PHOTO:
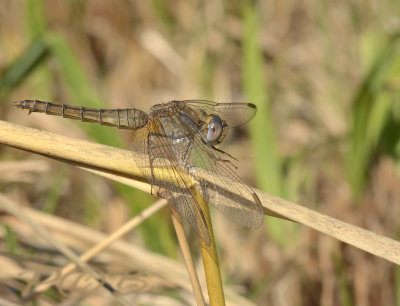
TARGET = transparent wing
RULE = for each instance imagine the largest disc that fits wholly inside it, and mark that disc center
(156, 151)
(234, 114)
(224, 190)
(170, 150)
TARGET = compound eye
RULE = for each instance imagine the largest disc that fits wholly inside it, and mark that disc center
(214, 129)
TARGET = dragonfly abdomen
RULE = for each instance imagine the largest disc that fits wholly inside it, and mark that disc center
(129, 118)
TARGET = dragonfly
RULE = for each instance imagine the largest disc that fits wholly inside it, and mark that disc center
(173, 145)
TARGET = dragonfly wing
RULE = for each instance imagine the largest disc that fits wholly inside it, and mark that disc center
(161, 166)
(231, 197)
(224, 189)
(234, 114)
(183, 204)
(140, 152)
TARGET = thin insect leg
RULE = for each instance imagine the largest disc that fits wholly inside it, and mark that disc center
(226, 160)
(226, 153)
(216, 157)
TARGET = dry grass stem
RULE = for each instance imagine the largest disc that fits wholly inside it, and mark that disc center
(13, 209)
(118, 161)
(79, 237)
(210, 259)
(127, 227)
(183, 243)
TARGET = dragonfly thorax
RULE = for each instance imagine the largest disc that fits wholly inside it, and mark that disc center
(166, 109)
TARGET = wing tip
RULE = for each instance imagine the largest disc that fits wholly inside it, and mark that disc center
(251, 105)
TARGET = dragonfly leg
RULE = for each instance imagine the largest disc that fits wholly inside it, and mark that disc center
(225, 153)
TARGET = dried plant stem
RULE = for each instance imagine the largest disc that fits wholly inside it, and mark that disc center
(210, 262)
(13, 209)
(89, 254)
(78, 237)
(183, 243)
(119, 162)
(210, 259)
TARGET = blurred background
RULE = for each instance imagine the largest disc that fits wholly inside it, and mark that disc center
(325, 76)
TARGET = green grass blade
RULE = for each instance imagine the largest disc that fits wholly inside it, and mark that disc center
(268, 170)
(42, 81)
(36, 20)
(79, 87)
(265, 147)
(371, 110)
(18, 71)
(34, 54)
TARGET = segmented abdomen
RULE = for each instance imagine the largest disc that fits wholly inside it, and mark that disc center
(129, 118)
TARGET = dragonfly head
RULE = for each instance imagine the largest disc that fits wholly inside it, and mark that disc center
(215, 130)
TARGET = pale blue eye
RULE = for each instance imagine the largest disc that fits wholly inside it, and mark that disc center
(214, 129)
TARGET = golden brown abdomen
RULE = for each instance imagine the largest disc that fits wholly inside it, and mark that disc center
(129, 118)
